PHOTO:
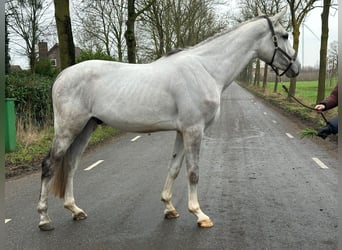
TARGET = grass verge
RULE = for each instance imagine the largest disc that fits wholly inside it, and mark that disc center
(306, 92)
(32, 147)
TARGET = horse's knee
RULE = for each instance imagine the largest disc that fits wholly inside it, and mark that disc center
(193, 175)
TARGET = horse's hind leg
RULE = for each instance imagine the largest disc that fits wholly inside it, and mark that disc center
(45, 222)
(192, 143)
(74, 155)
(50, 163)
(58, 167)
(174, 166)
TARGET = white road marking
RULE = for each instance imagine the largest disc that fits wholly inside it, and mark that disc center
(93, 165)
(289, 135)
(265, 113)
(275, 122)
(7, 220)
(320, 163)
(135, 138)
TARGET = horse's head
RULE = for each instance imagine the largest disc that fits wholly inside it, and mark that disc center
(276, 49)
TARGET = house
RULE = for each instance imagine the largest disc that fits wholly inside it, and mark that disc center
(53, 53)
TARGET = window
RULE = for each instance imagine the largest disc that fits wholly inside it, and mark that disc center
(53, 62)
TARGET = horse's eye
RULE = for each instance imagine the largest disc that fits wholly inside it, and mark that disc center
(285, 36)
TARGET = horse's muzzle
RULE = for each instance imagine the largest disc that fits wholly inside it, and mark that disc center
(294, 70)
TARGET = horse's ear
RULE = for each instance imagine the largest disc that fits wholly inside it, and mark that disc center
(278, 16)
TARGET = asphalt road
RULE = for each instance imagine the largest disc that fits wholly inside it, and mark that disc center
(259, 182)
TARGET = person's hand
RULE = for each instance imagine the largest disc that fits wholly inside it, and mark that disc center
(320, 107)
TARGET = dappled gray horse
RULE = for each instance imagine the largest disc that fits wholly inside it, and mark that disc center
(179, 92)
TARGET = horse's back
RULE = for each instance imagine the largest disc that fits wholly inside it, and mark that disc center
(126, 96)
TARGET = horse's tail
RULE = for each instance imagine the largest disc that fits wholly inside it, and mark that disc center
(69, 161)
(60, 177)
(57, 177)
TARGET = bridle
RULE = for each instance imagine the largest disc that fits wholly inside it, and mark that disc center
(291, 59)
(276, 70)
(276, 49)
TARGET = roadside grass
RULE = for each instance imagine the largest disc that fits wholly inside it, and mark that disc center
(306, 92)
(34, 144)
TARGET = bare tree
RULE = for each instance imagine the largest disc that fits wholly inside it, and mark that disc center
(133, 12)
(298, 11)
(27, 20)
(101, 24)
(177, 24)
(323, 51)
(64, 31)
(155, 26)
(250, 9)
(7, 56)
(333, 61)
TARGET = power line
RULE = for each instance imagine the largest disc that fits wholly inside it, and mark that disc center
(313, 33)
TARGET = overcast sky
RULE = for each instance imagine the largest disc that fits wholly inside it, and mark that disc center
(310, 41)
(312, 36)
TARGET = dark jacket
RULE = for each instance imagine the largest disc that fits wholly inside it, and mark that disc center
(332, 100)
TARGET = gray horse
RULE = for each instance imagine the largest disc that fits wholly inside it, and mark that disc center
(179, 92)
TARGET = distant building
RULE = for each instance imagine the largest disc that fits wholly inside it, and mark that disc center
(15, 68)
(53, 53)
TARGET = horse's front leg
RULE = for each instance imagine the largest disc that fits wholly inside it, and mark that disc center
(174, 166)
(192, 143)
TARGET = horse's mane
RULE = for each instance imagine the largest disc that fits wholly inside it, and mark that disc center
(224, 32)
(174, 51)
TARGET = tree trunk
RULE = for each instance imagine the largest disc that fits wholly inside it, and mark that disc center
(130, 32)
(7, 56)
(65, 38)
(250, 73)
(275, 89)
(257, 73)
(264, 82)
(323, 51)
(293, 81)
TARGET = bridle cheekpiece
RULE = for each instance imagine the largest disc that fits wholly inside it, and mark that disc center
(276, 49)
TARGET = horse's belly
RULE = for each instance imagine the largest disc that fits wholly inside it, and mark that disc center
(139, 117)
(141, 125)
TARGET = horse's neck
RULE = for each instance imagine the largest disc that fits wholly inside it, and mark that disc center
(226, 56)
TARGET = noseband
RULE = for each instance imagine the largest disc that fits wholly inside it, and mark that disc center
(276, 49)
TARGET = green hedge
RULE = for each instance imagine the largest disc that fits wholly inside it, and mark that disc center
(33, 97)
(33, 92)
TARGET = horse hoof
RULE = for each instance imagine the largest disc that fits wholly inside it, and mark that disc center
(80, 216)
(171, 214)
(205, 223)
(46, 227)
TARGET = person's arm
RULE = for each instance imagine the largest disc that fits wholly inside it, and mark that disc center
(330, 102)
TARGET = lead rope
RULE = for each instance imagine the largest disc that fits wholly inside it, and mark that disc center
(304, 105)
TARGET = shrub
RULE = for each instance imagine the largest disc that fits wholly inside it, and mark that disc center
(44, 68)
(33, 97)
(90, 55)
